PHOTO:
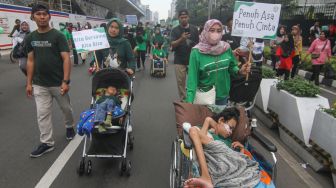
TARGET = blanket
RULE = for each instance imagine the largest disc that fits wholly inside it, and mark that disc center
(229, 168)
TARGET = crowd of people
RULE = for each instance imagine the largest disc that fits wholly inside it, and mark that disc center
(205, 61)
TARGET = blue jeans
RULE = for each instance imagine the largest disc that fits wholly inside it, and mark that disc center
(222, 102)
(103, 108)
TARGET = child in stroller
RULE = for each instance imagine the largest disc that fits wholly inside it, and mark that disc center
(108, 106)
(159, 60)
(222, 162)
(107, 84)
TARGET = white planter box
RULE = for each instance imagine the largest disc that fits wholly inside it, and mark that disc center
(264, 93)
(296, 113)
(273, 101)
(324, 133)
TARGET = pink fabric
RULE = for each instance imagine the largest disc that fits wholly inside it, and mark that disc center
(205, 47)
(316, 47)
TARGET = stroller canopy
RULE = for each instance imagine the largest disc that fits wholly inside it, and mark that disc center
(110, 77)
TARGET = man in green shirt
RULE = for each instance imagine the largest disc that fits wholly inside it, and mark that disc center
(48, 73)
(65, 33)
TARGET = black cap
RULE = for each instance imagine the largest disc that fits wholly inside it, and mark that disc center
(183, 12)
(39, 7)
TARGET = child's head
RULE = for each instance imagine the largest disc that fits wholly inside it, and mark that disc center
(111, 91)
(158, 45)
(227, 121)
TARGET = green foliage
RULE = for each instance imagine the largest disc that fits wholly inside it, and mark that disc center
(268, 73)
(299, 87)
(267, 52)
(331, 111)
(306, 63)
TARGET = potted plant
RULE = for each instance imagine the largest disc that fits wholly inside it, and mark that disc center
(324, 129)
(268, 79)
(295, 102)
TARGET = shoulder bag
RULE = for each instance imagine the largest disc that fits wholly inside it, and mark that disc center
(315, 56)
(207, 97)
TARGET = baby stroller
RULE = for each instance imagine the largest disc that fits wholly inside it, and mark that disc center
(114, 142)
(182, 165)
(158, 68)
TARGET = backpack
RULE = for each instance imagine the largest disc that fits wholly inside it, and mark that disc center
(19, 50)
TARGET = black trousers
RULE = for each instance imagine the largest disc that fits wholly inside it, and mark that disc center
(316, 73)
(141, 58)
(296, 62)
(281, 72)
(273, 59)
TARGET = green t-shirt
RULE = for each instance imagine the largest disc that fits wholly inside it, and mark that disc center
(142, 46)
(206, 71)
(48, 62)
(159, 53)
(66, 34)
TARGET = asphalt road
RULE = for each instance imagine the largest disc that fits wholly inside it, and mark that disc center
(153, 125)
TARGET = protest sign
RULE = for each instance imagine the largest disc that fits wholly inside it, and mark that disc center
(90, 40)
(257, 20)
(132, 19)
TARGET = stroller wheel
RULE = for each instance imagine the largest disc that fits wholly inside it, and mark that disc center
(125, 167)
(81, 168)
(89, 168)
(122, 167)
(128, 168)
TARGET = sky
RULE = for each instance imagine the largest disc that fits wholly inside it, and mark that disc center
(162, 6)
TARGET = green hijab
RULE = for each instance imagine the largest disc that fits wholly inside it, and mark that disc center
(118, 39)
(158, 37)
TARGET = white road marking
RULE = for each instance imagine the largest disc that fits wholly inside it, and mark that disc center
(328, 91)
(60, 162)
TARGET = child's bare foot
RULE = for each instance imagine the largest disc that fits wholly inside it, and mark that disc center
(198, 182)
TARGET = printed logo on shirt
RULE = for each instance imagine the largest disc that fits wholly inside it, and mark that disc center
(41, 44)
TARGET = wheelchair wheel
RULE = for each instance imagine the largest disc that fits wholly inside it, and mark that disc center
(175, 176)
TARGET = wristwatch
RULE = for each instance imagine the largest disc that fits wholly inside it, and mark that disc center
(66, 81)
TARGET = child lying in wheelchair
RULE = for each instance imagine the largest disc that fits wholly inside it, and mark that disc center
(220, 165)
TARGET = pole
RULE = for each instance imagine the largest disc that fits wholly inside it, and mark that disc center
(334, 15)
(304, 10)
(186, 4)
(96, 61)
(209, 9)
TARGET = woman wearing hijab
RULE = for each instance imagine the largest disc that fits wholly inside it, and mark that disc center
(275, 43)
(285, 54)
(18, 39)
(211, 64)
(296, 32)
(120, 48)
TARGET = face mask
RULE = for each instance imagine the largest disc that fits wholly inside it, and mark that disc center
(214, 38)
(86, 27)
(227, 128)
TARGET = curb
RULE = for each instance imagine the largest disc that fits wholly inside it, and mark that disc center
(307, 75)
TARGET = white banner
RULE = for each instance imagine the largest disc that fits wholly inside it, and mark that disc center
(90, 40)
(257, 20)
